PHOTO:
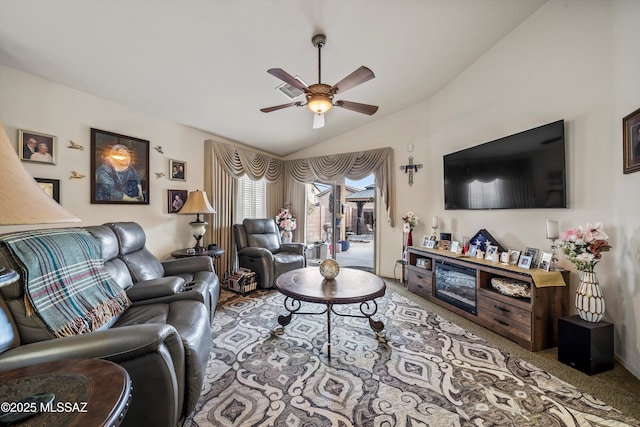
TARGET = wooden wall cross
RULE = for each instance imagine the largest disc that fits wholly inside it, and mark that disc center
(410, 169)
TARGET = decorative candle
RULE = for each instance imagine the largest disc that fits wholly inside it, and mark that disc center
(553, 230)
(434, 222)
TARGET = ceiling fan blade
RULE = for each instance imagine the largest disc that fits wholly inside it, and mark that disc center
(286, 77)
(318, 120)
(280, 107)
(354, 79)
(357, 107)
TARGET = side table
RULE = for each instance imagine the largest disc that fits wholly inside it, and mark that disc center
(586, 346)
(88, 392)
(213, 253)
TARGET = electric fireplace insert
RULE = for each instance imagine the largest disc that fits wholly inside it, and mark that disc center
(456, 285)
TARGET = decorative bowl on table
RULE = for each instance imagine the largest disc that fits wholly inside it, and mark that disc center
(329, 269)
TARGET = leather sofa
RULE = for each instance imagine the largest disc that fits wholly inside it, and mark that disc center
(261, 250)
(163, 339)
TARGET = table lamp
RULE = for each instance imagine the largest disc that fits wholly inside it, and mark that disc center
(197, 203)
(23, 201)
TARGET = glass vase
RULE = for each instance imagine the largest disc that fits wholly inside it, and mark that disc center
(286, 236)
(410, 238)
(589, 299)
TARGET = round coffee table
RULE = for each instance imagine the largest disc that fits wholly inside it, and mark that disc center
(350, 287)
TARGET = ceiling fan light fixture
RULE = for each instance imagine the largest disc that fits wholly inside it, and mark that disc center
(319, 104)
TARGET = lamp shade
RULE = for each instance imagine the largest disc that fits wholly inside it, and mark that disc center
(23, 201)
(197, 203)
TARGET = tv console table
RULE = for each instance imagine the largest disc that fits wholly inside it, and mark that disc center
(530, 322)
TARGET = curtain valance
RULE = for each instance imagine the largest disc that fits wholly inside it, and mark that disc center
(239, 161)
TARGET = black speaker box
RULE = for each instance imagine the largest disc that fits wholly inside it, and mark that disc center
(586, 346)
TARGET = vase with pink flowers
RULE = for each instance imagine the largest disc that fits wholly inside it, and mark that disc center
(584, 246)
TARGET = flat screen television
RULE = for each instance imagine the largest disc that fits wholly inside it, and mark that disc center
(521, 171)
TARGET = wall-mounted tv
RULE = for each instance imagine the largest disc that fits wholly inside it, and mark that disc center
(521, 171)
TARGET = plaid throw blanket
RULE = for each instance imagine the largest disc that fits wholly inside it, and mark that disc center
(65, 281)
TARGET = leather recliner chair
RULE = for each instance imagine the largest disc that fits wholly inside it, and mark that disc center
(261, 250)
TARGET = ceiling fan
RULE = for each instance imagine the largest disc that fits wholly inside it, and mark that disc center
(319, 96)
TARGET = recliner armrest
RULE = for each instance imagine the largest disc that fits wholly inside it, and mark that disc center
(296, 248)
(154, 288)
(255, 252)
(116, 345)
(174, 267)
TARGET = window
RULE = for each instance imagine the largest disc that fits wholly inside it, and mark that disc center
(250, 199)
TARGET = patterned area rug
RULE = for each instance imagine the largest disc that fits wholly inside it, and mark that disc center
(422, 371)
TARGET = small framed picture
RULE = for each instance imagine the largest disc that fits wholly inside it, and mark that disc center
(504, 258)
(444, 245)
(631, 142)
(514, 256)
(51, 187)
(454, 246)
(175, 200)
(533, 253)
(525, 262)
(545, 261)
(430, 244)
(425, 241)
(473, 249)
(491, 251)
(36, 147)
(177, 170)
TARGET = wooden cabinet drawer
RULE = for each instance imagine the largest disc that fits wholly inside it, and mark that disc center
(505, 318)
(419, 281)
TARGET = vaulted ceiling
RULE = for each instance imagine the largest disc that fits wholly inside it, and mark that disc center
(203, 63)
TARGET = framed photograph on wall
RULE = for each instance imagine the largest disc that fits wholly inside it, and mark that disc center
(36, 147)
(631, 142)
(51, 187)
(177, 170)
(119, 169)
(175, 200)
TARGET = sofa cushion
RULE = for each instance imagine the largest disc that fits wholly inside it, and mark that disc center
(116, 268)
(142, 264)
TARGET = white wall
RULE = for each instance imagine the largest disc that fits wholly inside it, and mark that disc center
(574, 60)
(31, 103)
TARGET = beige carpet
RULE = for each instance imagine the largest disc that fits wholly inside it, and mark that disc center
(424, 371)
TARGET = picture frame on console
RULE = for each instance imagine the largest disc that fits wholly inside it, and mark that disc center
(525, 262)
(533, 253)
(36, 147)
(631, 142)
(119, 169)
(429, 244)
(545, 261)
